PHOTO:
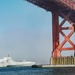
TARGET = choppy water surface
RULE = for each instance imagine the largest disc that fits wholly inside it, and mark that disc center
(36, 71)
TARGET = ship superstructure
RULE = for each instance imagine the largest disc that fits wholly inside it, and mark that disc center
(8, 61)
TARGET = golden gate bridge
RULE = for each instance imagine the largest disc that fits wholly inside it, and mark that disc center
(66, 10)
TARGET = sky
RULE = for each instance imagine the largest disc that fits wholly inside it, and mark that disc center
(25, 31)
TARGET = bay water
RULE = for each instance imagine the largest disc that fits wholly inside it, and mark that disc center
(36, 71)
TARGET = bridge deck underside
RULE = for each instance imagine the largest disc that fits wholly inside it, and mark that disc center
(57, 5)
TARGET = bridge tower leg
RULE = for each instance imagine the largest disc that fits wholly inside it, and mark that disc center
(57, 29)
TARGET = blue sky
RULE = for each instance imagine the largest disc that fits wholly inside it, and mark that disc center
(25, 31)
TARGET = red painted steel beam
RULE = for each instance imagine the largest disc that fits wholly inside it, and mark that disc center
(55, 28)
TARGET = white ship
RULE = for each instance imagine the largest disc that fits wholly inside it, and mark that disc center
(8, 62)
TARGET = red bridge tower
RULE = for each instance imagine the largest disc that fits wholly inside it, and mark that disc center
(66, 10)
